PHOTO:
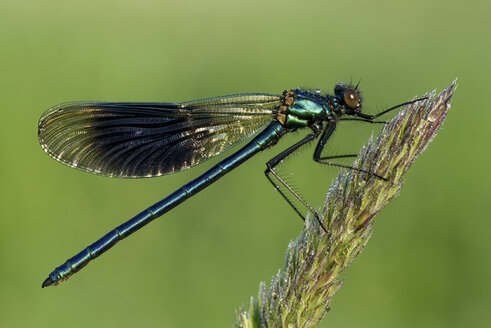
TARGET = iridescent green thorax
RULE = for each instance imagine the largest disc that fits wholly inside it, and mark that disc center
(302, 108)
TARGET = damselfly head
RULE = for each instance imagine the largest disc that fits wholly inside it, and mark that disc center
(348, 96)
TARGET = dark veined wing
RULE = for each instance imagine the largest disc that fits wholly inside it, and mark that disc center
(133, 140)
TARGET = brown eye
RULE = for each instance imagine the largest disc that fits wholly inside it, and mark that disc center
(351, 98)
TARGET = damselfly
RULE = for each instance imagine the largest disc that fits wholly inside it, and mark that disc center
(136, 140)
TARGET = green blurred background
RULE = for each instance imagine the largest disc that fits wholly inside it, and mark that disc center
(428, 263)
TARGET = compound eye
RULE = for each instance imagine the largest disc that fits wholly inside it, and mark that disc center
(351, 98)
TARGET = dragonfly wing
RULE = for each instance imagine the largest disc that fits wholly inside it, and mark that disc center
(133, 140)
